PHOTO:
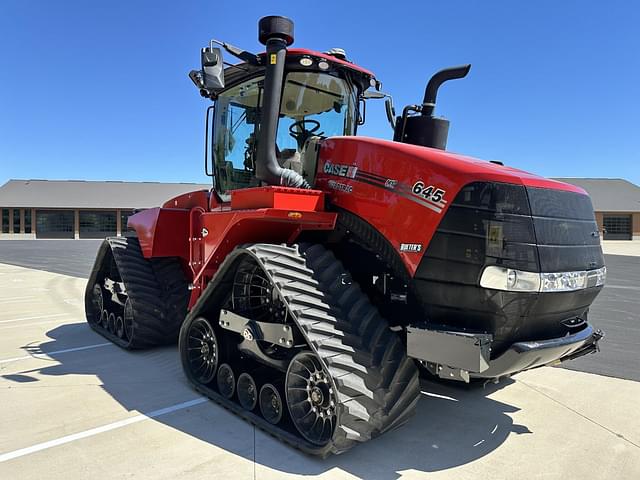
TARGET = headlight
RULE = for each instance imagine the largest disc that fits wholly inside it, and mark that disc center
(501, 278)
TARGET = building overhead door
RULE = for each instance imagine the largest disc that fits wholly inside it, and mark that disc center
(97, 224)
(617, 227)
(54, 223)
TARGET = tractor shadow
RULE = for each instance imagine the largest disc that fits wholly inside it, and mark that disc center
(455, 424)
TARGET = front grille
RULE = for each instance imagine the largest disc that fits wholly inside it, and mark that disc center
(529, 229)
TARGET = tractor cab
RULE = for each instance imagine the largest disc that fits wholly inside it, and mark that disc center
(319, 98)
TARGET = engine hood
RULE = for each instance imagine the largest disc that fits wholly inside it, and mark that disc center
(404, 191)
(385, 155)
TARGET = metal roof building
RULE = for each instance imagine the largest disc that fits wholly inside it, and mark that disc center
(617, 205)
(88, 209)
(77, 208)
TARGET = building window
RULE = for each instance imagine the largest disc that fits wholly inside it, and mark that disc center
(124, 217)
(27, 220)
(5, 220)
(54, 223)
(97, 224)
(616, 227)
(16, 220)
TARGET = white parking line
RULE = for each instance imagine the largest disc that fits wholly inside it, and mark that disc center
(95, 431)
(35, 324)
(33, 318)
(436, 395)
(16, 299)
(55, 352)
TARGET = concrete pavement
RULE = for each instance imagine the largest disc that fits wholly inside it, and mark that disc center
(616, 311)
(621, 247)
(69, 257)
(73, 407)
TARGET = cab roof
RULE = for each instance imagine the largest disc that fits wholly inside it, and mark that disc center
(329, 58)
(237, 73)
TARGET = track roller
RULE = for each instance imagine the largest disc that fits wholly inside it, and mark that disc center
(247, 391)
(119, 327)
(111, 323)
(271, 405)
(226, 380)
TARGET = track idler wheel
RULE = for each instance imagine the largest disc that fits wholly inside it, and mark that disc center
(271, 405)
(202, 350)
(98, 303)
(247, 391)
(226, 381)
(310, 398)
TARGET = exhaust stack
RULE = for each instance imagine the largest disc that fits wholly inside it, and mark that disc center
(426, 129)
(276, 33)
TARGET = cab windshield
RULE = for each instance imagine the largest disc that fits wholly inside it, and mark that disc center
(313, 104)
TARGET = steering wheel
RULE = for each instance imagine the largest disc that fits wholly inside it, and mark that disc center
(301, 134)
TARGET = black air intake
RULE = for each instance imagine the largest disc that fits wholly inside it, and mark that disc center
(277, 34)
(425, 129)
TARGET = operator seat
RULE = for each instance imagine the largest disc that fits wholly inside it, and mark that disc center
(289, 158)
(309, 158)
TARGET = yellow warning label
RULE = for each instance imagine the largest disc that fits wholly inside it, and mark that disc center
(495, 239)
(272, 60)
(495, 233)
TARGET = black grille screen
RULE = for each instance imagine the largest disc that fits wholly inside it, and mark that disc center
(560, 204)
(494, 197)
(566, 230)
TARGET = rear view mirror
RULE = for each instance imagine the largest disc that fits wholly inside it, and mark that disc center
(388, 104)
(212, 68)
(362, 111)
(391, 112)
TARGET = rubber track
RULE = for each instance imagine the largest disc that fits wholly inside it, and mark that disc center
(154, 298)
(377, 385)
(175, 292)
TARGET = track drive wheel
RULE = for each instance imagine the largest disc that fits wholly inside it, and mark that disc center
(202, 350)
(310, 398)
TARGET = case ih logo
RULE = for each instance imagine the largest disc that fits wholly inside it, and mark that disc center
(348, 171)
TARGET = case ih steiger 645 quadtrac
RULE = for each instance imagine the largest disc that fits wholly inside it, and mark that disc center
(325, 270)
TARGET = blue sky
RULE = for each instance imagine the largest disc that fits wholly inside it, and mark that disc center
(99, 90)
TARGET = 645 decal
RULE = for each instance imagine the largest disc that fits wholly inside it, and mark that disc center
(428, 192)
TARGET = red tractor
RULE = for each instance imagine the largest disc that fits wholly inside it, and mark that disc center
(325, 271)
